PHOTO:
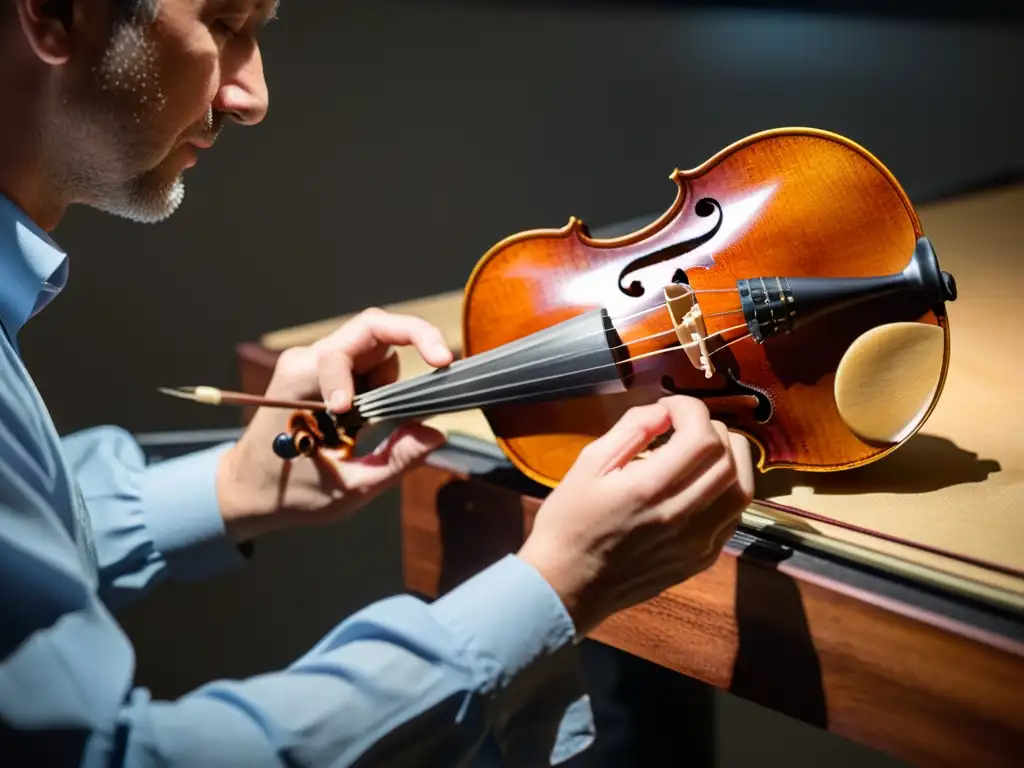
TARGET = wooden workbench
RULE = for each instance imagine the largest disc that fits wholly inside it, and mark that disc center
(886, 642)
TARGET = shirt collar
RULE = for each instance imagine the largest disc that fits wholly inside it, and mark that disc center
(33, 268)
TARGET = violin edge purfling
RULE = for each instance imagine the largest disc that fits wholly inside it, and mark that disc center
(796, 231)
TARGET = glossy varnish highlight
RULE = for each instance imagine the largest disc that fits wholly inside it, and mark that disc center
(788, 202)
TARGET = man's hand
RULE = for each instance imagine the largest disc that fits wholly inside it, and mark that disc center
(259, 492)
(617, 532)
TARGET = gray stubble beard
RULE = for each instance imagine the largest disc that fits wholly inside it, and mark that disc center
(101, 175)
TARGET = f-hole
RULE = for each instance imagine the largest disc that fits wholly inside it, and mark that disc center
(705, 208)
(762, 412)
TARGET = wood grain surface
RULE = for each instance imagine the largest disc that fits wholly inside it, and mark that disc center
(912, 682)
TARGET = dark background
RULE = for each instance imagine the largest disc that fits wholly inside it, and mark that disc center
(403, 140)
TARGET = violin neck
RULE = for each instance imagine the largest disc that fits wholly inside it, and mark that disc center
(574, 358)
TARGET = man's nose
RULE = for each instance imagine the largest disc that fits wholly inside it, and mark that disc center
(244, 95)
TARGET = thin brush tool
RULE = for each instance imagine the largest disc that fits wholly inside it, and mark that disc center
(215, 396)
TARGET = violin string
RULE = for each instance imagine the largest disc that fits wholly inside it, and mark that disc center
(397, 387)
(392, 392)
(391, 397)
(378, 395)
(661, 304)
(729, 344)
(441, 385)
(724, 314)
(386, 410)
(621, 318)
(418, 408)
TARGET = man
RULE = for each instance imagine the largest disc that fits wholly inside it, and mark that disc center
(105, 103)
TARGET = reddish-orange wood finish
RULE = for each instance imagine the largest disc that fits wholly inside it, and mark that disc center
(782, 204)
(790, 202)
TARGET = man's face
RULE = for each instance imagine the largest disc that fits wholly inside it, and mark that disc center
(137, 102)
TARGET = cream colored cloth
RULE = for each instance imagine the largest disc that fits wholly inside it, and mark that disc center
(959, 483)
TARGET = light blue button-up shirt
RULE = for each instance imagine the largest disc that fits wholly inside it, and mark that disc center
(86, 527)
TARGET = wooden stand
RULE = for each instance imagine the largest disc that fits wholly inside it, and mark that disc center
(897, 666)
(887, 645)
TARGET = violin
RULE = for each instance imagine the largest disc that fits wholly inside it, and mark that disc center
(775, 273)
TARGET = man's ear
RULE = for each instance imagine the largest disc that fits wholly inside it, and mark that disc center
(47, 25)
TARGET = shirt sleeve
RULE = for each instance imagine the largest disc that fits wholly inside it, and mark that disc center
(148, 523)
(403, 682)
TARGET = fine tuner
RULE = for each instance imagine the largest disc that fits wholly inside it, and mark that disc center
(770, 289)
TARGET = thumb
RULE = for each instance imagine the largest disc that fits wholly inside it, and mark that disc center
(406, 448)
(410, 444)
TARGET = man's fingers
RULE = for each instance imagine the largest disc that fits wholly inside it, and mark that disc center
(628, 436)
(405, 448)
(375, 327)
(363, 343)
(296, 367)
(334, 372)
(691, 502)
(384, 372)
(724, 513)
(741, 451)
(693, 445)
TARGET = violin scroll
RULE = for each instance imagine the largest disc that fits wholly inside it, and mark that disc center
(311, 431)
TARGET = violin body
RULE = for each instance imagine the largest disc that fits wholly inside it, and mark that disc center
(788, 202)
(761, 251)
